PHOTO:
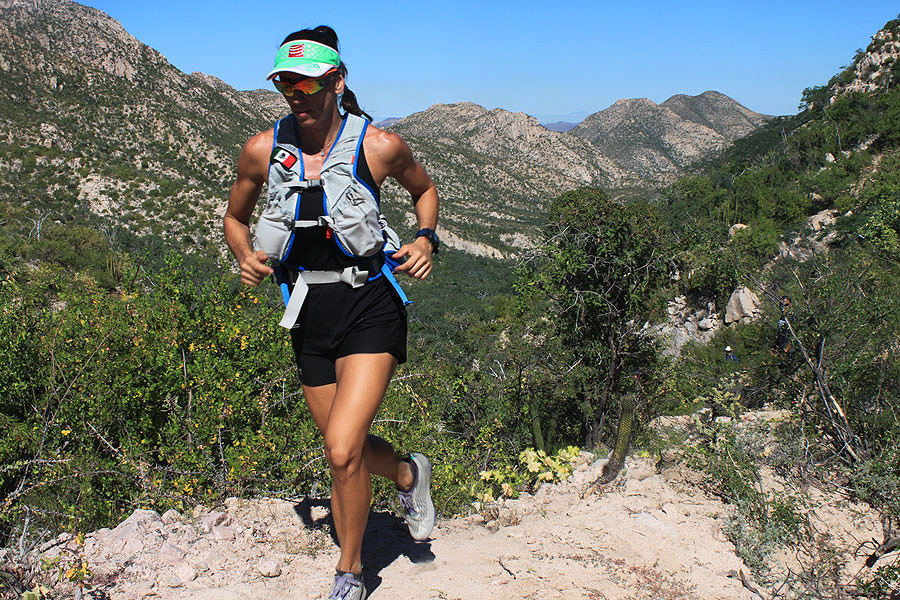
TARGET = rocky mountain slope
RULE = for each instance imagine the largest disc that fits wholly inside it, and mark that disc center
(93, 122)
(876, 68)
(100, 129)
(658, 142)
(497, 171)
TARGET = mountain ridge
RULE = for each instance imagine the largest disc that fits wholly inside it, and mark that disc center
(658, 142)
(133, 138)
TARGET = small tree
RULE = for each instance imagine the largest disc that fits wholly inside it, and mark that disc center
(602, 265)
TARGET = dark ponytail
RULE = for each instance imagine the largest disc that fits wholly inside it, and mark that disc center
(350, 105)
(326, 35)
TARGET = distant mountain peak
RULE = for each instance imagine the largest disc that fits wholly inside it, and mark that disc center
(660, 141)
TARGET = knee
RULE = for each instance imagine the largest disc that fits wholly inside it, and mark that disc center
(344, 458)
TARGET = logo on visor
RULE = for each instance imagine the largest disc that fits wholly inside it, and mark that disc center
(296, 51)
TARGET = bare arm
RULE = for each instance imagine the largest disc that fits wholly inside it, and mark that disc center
(393, 155)
(251, 173)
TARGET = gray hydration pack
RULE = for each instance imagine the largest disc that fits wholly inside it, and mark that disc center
(351, 212)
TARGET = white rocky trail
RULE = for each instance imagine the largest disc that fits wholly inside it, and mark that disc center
(647, 535)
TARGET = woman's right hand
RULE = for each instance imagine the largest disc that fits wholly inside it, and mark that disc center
(254, 268)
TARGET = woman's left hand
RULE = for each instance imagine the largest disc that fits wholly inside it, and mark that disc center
(418, 258)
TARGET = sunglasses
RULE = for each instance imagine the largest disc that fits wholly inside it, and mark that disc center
(308, 86)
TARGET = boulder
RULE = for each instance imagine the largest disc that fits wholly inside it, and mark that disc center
(735, 228)
(170, 553)
(743, 304)
(130, 536)
(707, 324)
(180, 575)
(210, 520)
(171, 516)
(269, 568)
(821, 220)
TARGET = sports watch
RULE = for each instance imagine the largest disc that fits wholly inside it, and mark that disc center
(431, 236)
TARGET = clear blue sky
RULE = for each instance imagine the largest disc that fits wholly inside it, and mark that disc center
(542, 58)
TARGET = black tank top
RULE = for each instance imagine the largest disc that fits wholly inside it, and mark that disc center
(314, 248)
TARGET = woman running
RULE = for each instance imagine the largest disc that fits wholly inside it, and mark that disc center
(345, 311)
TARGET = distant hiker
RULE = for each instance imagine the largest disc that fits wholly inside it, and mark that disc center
(786, 304)
(323, 237)
(782, 329)
(729, 354)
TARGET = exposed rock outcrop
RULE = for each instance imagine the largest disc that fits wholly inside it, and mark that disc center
(743, 305)
(685, 323)
(876, 68)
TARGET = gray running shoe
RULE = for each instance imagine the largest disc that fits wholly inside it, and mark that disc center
(417, 501)
(347, 587)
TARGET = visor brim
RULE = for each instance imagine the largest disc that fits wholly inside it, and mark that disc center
(307, 70)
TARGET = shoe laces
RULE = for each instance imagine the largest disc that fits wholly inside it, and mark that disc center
(406, 499)
(344, 584)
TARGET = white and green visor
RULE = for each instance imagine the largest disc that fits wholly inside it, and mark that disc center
(305, 57)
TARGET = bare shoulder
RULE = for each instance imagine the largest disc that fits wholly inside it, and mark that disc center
(385, 144)
(254, 159)
(261, 143)
(387, 153)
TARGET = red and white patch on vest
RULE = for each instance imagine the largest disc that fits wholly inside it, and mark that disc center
(285, 158)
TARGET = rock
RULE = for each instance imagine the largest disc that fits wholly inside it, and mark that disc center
(223, 533)
(171, 516)
(129, 537)
(170, 553)
(584, 458)
(475, 519)
(318, 512)
(182, 574)
(141, 589)
(706, 324)
(679, 424)
(735, 228)
(821, 220)
(654, 525)
(829, 157)
(269, 568)
(186, 534)
(743, 304)
(508, 516)
(212, 519)
(231, 503)
(493, 526)
(198, 511)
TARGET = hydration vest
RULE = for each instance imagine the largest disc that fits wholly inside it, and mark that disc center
(351, 213)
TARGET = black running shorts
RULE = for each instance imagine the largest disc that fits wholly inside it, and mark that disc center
(338, 320)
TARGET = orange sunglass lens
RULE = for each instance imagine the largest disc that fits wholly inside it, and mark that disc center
(307, 86)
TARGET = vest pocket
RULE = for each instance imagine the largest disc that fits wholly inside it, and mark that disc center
(355, 224)
(273, 232)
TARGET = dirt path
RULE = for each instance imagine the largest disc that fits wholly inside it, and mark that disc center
(648, 535)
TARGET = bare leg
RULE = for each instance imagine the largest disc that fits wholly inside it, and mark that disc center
(344, 412)
(379, 454)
